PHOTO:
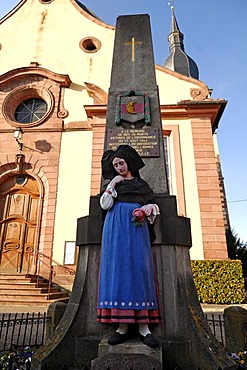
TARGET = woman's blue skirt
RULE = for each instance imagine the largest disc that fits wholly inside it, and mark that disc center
(127, 279)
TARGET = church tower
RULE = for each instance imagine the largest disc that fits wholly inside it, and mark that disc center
(178, 60)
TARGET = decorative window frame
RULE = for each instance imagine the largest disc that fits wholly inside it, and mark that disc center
(19, 95)
(90, 40)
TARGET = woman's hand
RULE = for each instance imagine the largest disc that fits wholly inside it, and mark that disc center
(151, 211)
(147, 209)
(117, 179)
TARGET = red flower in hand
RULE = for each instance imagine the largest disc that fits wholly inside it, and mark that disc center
(138, 217)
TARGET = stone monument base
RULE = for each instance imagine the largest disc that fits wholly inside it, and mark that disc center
(132, 354)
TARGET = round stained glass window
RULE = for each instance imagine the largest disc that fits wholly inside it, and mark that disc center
(31, 110)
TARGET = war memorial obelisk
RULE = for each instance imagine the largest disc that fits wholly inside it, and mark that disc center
(133, 117)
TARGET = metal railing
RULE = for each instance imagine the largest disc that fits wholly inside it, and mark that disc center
(44, 268)
(29, 329)
(216, 324)
(22, 329)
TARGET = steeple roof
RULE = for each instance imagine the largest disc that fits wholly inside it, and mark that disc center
(178, 60)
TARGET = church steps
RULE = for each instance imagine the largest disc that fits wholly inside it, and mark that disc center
(19, 289)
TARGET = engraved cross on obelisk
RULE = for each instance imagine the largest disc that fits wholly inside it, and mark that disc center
(133, 112)
(133, 43)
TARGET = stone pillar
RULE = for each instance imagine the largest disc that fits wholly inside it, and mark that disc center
(235, 320)
(55, 312)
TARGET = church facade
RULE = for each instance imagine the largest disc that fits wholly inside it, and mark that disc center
(54, 81)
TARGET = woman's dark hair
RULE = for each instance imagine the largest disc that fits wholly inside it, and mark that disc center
(126, 152)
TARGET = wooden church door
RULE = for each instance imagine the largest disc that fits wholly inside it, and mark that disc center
(19, 202)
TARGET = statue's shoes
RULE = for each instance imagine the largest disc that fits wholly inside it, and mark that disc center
(117, 338)
(150, 340)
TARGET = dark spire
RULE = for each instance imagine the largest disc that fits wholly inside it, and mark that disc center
(178, 60)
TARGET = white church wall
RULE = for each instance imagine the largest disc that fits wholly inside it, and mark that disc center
(171, 89)
(73, 187)
(190, 188)
(40, 35)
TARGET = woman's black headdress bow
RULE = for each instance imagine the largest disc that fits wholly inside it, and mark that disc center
(129, 154)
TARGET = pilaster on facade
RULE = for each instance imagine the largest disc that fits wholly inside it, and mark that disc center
(212, 220)
(97, 118)
(204, 116)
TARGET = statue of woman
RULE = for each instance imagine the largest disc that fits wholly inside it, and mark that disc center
(127, 284)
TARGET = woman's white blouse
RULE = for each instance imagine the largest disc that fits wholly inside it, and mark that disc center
(107, 198)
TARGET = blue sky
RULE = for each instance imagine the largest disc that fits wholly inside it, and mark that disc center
(215, 35)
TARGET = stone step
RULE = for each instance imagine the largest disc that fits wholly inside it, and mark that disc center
(27, 289)
(22, 285)
(15, 275)
(29, 297)
(34, 303)
(6, 274)
(11, 280)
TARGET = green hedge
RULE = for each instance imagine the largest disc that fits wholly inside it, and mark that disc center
(219, 282)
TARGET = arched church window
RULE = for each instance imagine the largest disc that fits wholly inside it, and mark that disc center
(31, 110)
(29, 106)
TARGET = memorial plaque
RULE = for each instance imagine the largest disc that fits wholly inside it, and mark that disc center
(145, 140)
